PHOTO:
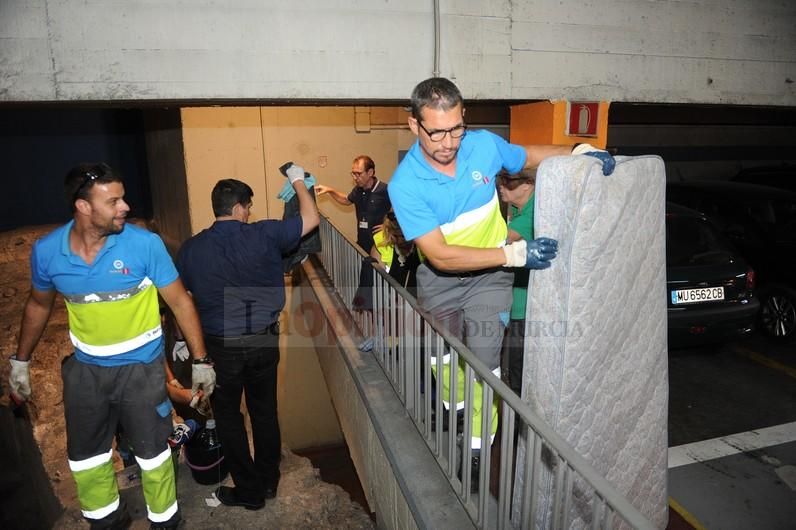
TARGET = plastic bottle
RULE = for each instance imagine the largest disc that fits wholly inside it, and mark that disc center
(210, 435)
(205, 456)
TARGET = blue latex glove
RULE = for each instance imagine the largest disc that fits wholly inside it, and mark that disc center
(603, 156)
(609, 163)
(534, 254)
(540, 252)
(288, 192)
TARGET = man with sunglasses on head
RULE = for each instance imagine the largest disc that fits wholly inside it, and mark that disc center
(443, 193)
(110, 275)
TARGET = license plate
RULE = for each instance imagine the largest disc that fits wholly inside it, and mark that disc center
(693, 296)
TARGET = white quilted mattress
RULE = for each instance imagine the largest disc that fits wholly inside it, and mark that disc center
(596, 359)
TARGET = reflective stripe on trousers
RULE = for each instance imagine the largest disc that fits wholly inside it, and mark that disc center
(478, 391)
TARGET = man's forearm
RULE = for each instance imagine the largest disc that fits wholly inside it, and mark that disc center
(34, 320)
(338, 196)
(307, 209)
(184, 310)
(457, 258)
(188, 320)
(536, 153)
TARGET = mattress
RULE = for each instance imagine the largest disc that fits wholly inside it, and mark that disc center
(595, 363)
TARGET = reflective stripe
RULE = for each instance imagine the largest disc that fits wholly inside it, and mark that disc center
(459, 405)
(159, 485)
(148, 464)
(109, 296)
(99, 513)
(96, 485)
(162, 516)
(446, 359)
(119, 347)
(483, 227)
(118, 326)
(475, 443)
(88, 463)
(384, 248)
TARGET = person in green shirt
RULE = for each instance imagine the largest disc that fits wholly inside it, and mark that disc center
(516, 190)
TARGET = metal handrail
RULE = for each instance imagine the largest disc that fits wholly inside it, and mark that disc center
(342, 258)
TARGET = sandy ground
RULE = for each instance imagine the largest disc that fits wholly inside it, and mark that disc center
(303, 500)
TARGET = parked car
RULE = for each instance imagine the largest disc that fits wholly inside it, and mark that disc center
(761, 222)
(782, 176)
(710, 286)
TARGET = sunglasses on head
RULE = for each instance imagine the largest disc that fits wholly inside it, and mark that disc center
(90, 175)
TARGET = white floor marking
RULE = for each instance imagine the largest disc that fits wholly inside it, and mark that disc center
(733, 444)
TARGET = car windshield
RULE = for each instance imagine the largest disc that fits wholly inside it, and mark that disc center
(692, 241)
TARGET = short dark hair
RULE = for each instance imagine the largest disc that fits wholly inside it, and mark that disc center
(436, 93)
(83, 177)
(227, 193)
(367, 161)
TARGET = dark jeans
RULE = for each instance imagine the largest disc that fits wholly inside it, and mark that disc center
(515, 346)
(248, 365)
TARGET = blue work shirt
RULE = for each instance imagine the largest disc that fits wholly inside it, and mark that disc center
(424, 199)
(112, 303)
(234, 271)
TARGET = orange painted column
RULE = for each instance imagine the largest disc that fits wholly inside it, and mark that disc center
(545, 122)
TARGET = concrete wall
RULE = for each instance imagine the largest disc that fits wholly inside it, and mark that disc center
(712, 51)
(403, 482)
(166, 162)
(250, 143)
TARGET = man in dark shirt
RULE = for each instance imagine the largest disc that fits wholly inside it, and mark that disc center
(369, 198)
(234, 271)
(371, 204)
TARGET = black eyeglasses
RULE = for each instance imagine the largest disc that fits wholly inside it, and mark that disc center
(439, 134)
(89, 175)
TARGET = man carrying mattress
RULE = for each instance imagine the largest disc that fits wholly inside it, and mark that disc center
(444, 196)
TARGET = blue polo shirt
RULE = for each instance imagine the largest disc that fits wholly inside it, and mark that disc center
(112, 304)
(466, 207)
(234, 271)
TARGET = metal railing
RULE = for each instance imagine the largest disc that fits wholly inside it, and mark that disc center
(404, 339)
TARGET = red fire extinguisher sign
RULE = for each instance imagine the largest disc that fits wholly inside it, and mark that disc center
(582, 118)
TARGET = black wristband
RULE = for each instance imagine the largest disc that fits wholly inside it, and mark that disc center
(203, 360)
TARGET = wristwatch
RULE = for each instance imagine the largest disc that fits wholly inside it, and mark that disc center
(203, 360)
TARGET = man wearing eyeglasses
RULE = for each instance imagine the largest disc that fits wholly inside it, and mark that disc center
(110, 275)
(443, 193)
(371, 203)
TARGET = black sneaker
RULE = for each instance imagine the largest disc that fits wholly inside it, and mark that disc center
(475, 464)
(270, 489)
(229, 497)
(475, 469)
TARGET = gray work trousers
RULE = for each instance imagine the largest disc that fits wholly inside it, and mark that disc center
(473, 306)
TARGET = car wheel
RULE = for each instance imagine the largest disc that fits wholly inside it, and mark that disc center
(778, 313)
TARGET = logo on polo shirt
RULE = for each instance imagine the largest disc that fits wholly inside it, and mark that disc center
(119, 268)
(479, 179)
